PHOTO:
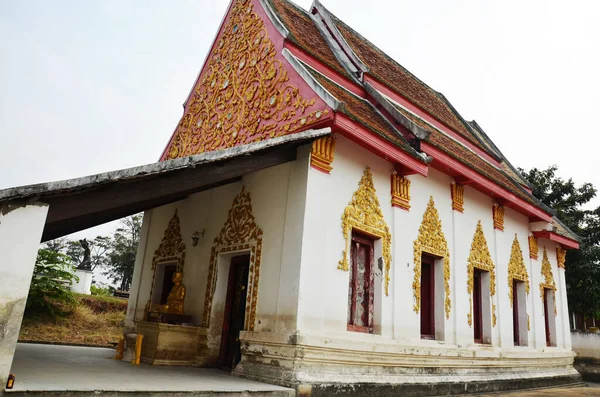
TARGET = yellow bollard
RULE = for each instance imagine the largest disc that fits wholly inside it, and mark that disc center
(138, 349)
(120, 349)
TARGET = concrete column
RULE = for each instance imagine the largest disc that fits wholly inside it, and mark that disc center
(138, 267)
(21, 227)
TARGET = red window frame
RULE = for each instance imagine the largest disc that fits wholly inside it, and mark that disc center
(515, 298)
(353, 323)
(477, 307)
(547, 317)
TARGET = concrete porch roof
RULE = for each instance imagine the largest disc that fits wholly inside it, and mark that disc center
(81, 203)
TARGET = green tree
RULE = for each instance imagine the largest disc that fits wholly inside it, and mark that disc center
(49, 292)
(583, 265)
(121, 258)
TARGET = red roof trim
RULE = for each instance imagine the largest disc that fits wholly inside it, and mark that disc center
(445, 163)
(557, 238)
(427, 117)
(324, 69)
(378, 145)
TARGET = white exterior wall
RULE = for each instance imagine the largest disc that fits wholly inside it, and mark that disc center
(324, 288)
(278, 195)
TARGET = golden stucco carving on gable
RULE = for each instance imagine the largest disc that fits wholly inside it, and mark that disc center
(244, 94)
(480, 258)
(363, 213)
(431, 240)
(239, 233)
(171, 249)
(548, 282)
(516, 268)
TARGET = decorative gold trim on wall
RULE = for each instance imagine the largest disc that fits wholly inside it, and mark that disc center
(432, 241)
(400, 191)
(498, 215)
(480, 258)
(516, 268)
(561, 256)
(171, 249)
(363, 213)
(321, 155)
(533, 247)
(457, 193)
(239, 233)
(548, 279)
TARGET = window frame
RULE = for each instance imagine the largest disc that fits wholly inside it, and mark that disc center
(361, 238)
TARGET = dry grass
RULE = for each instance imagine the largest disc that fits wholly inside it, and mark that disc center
(95, 321)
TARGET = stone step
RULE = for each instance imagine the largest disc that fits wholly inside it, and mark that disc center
(157, 393)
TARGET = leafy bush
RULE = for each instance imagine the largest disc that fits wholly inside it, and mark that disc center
(102, 291)
(49, 292)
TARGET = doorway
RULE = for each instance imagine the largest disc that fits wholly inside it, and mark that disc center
(427, 297)
(235, 312)
(477, 307)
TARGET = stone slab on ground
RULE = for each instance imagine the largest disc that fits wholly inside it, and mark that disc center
(592, 391)
(77, 371)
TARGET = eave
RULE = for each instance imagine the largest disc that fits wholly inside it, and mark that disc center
(557, 238)
(445, 163)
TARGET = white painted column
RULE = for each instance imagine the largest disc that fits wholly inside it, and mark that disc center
(21, 228)
(138, 267)
(537, 333)
(563, 309)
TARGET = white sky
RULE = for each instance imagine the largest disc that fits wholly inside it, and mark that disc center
(97, 85)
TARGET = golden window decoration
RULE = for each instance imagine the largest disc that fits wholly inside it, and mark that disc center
(244, 93)
(516, 268)
(400, 191)
(457, 193)
(498, 214)
(533, 247)
(171, 249)
(321, 155)
(480, 258)
(363, 213)
(561, 256)
(548, 278)
(432, 241)
(240, 233)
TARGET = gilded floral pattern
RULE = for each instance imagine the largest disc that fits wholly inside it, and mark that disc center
(516, 268)
(432, 241)
(244, 94)
(240, 233)
(548, 282)
(363, 213)
(171, 249)
(480, 258)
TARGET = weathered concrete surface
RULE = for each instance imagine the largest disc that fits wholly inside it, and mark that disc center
(559, 392)
(21, 228)
(588, 367)
(51, 370)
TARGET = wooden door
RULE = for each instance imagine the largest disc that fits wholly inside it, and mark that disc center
(427, 297)
(477, 308)
(515, 299)
(235, 312)
(360, 291)
(546, 318)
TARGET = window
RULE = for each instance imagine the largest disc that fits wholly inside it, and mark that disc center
(482, 311)
(427, 297)
(549, 323)
(520, 320)
(360, 291)
(163, 282)
(477, 312)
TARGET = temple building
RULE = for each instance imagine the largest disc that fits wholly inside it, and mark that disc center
(321, 218)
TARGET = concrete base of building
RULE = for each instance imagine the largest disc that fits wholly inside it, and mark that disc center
(317, 366)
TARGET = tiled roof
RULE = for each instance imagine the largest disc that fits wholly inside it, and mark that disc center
(396, 77)
(305, 34)
(363, 112)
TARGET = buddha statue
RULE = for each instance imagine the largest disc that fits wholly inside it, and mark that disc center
(176, 297)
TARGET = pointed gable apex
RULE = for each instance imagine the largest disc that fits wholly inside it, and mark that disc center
(246, 91)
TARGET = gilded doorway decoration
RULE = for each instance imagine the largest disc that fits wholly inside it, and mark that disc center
(363, 213)
(548, 279)
(171, 249)
(240, 233)
(432, 241)
(516, 268)
(244, 94)
(480, 258)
